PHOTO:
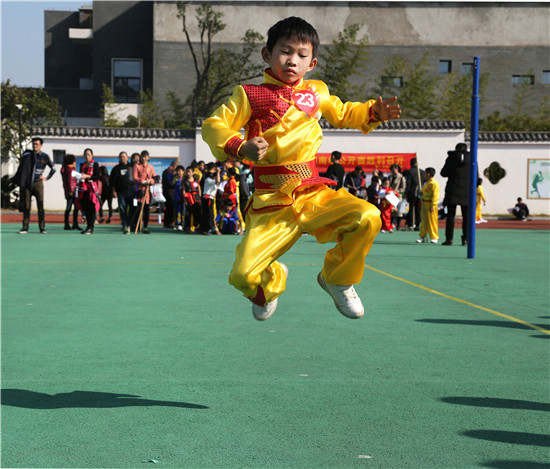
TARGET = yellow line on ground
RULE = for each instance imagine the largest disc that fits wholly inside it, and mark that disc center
(492, 311)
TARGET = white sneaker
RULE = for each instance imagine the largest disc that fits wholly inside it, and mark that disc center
(261, 313)
(434, 241)
(345, 298)
(420, 240)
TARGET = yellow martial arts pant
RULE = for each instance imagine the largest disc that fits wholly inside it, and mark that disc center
(330, 216)
(428, 221)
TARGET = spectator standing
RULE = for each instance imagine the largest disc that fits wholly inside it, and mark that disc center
(106, 194)
(88, 199)
(429, 213)
(457, 170)
(336, 171)
(414, 180)
(480, 198)
(211, 182)
(69, 188)
(30, 178)
(179, 197)
(168, 190)
(372, 192)
(386, 207)
(193, 201)
(354, 180)
(144, 175)
(398, 184)
(122, 186)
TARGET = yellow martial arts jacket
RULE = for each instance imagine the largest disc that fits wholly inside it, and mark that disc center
(287, 117)
(430, 193)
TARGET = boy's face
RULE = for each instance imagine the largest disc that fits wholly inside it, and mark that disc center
(290, 59)
(189, 173)
(179, 172)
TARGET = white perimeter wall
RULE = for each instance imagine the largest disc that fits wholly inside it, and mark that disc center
(430, 147)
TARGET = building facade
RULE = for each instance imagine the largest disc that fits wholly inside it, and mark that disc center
(132, 46)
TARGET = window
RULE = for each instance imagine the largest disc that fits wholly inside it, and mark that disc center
(59, 156)
(523, 80)
(545, 77)
(445, 66)
(392, 81)
(126, 80)
(467, 69)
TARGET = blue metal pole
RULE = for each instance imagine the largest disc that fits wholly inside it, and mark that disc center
(474, 129)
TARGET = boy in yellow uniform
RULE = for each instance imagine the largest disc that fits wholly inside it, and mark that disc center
(281, 120)
(428, 211)
(480, 197)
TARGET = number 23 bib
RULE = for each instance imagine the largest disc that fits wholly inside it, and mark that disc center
(307, 101)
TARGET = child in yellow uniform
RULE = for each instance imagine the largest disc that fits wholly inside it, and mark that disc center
(428, 211)
(281, 120)
(480, 197)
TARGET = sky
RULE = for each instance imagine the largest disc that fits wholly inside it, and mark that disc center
(22, 40)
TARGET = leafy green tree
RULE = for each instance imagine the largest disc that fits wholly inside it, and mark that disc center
(37, 108)
(176, 115)
(456, 100)
(413, 84)
(150, 114)
(419, 97)
(218, 70)
(523, 115)
(343, 60)
(108, 112)
(392, 79)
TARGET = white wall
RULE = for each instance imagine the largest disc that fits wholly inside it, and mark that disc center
(430, 147)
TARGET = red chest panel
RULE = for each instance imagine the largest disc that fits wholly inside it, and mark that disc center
(269, 104)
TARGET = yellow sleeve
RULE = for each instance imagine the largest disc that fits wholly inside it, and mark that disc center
(435, 195)
(345, 115)
(225, 123)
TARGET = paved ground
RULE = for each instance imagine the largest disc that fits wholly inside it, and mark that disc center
(117, 350)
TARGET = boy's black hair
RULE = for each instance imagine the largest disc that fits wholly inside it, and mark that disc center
(231, 172)
(430, 171)
(37, 139)
(479, 181)
(293, 27)
(228, 203)
(180, 167)
(210, 166)
(69, 159)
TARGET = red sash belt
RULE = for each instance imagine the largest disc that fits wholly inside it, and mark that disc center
(278, 176)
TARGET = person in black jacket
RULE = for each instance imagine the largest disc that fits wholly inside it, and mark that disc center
(30, 178)
(457, 170)
(336, 171)
(122, 184)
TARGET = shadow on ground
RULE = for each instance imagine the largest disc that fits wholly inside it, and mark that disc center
(82, 399)
(497, 403)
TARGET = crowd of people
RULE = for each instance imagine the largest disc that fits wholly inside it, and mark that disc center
(202, 198)
(211, 198)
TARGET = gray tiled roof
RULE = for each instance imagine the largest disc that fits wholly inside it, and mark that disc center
(413, 125)
(179, 134)
(503, 137)
(107, 132)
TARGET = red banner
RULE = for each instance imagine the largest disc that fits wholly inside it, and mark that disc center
(368, 161)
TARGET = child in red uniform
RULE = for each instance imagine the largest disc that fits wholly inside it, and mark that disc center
(193, 201)
(386, 207)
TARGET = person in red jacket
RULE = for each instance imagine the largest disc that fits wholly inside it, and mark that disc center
(69, 188)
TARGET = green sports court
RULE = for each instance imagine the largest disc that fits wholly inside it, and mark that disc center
(135, 352)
